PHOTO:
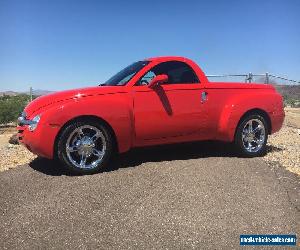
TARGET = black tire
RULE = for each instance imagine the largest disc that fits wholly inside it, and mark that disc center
(238, 140)
(66, 133)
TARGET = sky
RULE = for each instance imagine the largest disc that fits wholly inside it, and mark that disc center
(64, 44)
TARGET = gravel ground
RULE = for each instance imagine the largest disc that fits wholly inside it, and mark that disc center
(11, 155)
(199, 198)
(284, 148)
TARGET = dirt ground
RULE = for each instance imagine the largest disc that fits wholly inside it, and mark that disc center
(11, 155)
(292, 117)
(283, 147)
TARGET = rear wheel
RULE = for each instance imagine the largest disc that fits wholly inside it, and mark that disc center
(85, 147)
(252, 135)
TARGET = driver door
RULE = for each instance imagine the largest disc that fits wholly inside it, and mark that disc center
(170, 112)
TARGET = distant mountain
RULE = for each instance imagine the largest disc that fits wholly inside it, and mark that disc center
(39, 92)
(9, 93)
(36, 92)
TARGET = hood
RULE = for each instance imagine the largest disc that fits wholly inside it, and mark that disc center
(61, 96)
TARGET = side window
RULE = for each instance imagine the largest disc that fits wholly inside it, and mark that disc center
(147, 78)
(178, 72)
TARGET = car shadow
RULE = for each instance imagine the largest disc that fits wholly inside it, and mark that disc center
(182, 151)
(49, 167)
(135, 157)
(138, 156)
(271, 148)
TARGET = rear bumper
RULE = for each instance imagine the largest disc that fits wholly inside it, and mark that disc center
(40, 141)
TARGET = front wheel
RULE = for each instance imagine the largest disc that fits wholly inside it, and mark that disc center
(85, 147)
(252, 135)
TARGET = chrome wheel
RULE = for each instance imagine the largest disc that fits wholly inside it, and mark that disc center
(86, 147)
(253, 135)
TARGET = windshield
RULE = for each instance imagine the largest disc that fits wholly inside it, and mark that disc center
(124, 76)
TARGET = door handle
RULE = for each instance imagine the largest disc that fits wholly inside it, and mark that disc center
(203, 97)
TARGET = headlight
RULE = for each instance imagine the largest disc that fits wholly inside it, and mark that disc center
(22, 118)
(34, 122)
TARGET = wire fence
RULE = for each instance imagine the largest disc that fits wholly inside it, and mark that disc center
(247, 78)
(262, 78)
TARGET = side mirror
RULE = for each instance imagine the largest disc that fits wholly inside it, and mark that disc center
(159, 79)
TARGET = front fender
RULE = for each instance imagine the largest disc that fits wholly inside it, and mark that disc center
(115, 109)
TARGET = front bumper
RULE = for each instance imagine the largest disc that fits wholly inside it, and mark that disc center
(40, 141)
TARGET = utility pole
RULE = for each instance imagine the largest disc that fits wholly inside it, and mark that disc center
(30, 93)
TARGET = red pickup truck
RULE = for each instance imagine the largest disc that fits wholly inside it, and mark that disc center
(155, 101)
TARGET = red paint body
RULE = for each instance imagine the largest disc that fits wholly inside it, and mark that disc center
(142, 116)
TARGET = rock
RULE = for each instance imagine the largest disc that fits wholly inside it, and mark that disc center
(14, 139)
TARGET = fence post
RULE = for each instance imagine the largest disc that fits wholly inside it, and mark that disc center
(250, 77)
(267, 78)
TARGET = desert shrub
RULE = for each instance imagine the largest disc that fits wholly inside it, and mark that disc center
(292, 103)
(11, 107)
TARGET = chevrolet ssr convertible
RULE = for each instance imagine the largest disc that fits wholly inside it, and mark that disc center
(159, 100)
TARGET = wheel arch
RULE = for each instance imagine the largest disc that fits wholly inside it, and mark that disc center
(258, 111)
(85, 118)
